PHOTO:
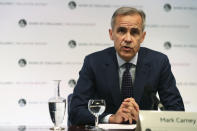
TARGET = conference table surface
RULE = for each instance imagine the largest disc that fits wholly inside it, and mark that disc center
(45, 128)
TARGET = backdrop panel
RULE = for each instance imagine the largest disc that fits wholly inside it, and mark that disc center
(45, 40)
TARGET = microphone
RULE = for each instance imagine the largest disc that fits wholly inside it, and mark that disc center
(156, 103)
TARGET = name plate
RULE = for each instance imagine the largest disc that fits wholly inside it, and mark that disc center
(167, 121)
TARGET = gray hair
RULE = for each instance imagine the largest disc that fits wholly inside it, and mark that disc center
(128, 11)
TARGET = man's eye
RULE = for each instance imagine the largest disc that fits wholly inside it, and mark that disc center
(135, 31)
(121, 30)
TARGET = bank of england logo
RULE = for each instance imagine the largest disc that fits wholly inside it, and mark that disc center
(72, 43)
(72, 83)
(22, 128)
(167, 7)
(72, 5)
(22, 62)
(167, 45)
(22, 102)
(22, 23)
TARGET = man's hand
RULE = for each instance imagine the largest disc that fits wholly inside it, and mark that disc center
(128, 111)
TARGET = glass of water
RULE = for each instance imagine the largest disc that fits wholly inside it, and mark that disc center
(57, 107)
(96, 107)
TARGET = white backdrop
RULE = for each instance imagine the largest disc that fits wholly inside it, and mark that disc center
(42, 42)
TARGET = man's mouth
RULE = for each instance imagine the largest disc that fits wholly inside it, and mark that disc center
(126, 48)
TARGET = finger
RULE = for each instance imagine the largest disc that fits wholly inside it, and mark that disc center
(129, 99)
(136, 106)
(127, 105)
(126, 110)
(136, 115)
(131, 108)
(124, 116)
(132, 111)
(122, 105)
(131, 102)
(130, 118)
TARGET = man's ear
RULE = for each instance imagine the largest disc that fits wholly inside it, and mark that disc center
(143, 37)
(110, 34)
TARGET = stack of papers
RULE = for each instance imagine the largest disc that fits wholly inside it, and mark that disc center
(117, 126)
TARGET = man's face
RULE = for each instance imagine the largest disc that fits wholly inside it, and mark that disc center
(127, 35)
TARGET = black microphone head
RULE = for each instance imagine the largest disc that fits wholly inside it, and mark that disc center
(151, 96)
(150, 100)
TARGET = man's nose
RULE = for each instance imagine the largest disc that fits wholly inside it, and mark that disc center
(128, 37)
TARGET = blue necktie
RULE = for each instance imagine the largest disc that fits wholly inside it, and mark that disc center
(127, 89)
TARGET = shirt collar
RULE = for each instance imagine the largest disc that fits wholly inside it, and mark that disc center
(121, 61)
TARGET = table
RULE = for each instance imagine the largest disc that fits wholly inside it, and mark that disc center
(44, 128)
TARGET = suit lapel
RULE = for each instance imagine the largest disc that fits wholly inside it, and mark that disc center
(141, 77)
(113, 77)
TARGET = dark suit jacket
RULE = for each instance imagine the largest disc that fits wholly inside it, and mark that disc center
(99, 78)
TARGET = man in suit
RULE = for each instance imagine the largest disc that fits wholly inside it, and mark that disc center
(101, 76)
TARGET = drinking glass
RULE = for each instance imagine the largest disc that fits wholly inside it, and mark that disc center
(57, 107)
(96, 107)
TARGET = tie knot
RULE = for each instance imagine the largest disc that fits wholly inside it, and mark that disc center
(127, 65)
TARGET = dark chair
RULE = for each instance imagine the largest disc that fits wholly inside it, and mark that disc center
(69, 98)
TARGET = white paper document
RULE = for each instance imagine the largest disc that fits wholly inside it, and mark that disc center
(117, 126)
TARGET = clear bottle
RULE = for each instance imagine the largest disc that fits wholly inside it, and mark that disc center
(57, 107)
